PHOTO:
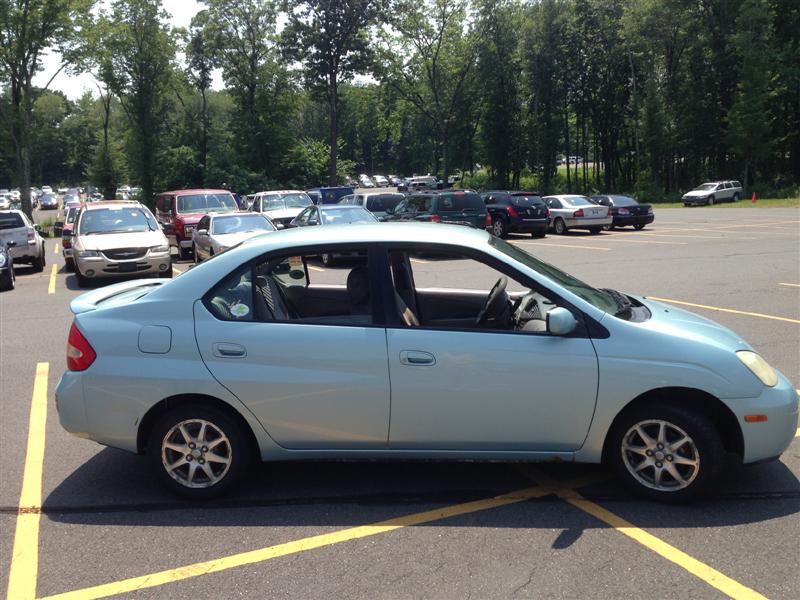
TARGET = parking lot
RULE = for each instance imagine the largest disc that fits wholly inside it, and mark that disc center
(78, 520)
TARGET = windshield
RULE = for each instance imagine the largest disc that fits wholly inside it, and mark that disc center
(344, 214)
(72, 214)
(593, 296)
(206, 203)
(278, 201)
(240, 224)
(706, 187)
(117, 220)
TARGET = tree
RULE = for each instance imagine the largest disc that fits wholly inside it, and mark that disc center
(28, 28)
(748, 120)
(330, 37)
(200, 64)
(142, 53)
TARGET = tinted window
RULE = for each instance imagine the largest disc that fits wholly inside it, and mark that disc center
(527, 201)
(383, 202)
(459, 201)
(578, 201)
(11, 221)
(415, 203)
(241, 223)
(624, 201)
(341, 215)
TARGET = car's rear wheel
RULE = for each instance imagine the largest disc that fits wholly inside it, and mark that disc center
(735, 197)
(184, 253)
(198, 451)
(499, 228)
(82, 281)
(666, 453)
(559, 226)
(38, 263)
(538, 234)
(608, 227)
(639, 226)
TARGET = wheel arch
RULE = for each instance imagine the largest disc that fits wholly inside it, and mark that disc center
(150, 418)
(709, 405)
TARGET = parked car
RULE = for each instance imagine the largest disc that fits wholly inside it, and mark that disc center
(28, 247)
(49, 201)
(717, 191)
(328, 195)
(625, 211)
(334, 215)
(281, 206)
(67, 229)
(516, 212)
(5, 201)
(380, 181)
(375, 202)
(179, 211)
(576, 212)
(219, 231)
(118, 238)
(394, 179)
(459, 207)
(7, 276)
(365, 181)
(268, 359)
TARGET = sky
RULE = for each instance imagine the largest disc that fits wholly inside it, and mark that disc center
(74, 86)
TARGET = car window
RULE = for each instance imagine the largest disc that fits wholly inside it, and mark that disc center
(467, 201)
(203, 203)
(342, 215)
(624, 201)
(553, 202)
(11, 221)
(203, 223)
(578, 201)
(240, 224)
(526, 201)
(416, 204)
(383, 202)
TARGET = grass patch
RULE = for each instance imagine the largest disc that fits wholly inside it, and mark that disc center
(762, 203)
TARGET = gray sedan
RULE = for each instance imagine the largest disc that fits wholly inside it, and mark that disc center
(576, 212)
(219, 231)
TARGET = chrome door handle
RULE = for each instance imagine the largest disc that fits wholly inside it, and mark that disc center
(417, 358)
(224, 350)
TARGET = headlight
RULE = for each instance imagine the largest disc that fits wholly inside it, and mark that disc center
(759, 367)
(159, 250)
(2, 260)
(88, 254)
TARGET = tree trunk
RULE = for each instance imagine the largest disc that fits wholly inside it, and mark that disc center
(204, 141)
(566, 145)
(333, 101)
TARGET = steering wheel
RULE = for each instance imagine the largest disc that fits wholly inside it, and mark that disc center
(496, 301)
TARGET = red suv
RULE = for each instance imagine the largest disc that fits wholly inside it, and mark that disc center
(179, 211)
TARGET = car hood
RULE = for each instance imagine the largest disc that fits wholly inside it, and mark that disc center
(231, 239)
(699, 193)
(189, 218)
(683, 323)
(130, 239)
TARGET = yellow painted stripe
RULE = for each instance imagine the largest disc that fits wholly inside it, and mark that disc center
(51, 288)
(548, 243)
(797, 433)
(56, 248)
(25, 556)
(797, 285)
(711, 576)
(727, 310)
(176, 270)
(617, 238)
(294, 547)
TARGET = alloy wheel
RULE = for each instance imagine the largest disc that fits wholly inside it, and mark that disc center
(660, 455)
(196, 453)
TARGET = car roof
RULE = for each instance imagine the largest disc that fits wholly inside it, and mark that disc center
(564, 196)
(111, 204)
(194, 191)
(282, 192)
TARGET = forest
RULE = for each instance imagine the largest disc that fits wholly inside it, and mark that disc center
(656, 95)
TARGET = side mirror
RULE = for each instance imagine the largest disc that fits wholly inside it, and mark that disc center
(37, 227)
(560, 321)
(202, 232)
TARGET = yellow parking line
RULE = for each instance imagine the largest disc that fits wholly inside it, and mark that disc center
(176, 270)
(56, 248)
(797, 433)
(51, 288)
(25, 556)
(702, 571)
(727, 310)
(614, 239)
(797, 285)
(565, 245)
(297, 546)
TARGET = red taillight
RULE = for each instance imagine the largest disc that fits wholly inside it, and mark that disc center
(436, 219)
(623, 211)
(66, 242)
(32, 236)
(578, 213)
(80, 354)
(488, 219)
(511, 212)
(546, 212)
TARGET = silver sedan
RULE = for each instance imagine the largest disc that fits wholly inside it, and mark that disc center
(219, 231)
(576, 212)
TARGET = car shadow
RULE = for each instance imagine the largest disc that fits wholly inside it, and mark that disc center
(114, 485)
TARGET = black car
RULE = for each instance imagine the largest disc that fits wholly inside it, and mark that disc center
(460, 207)
(516, 212)
(7, 276)
(334, 214)
(626, 211)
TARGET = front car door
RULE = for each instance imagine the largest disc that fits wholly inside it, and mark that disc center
(456, 386)
(202, 237)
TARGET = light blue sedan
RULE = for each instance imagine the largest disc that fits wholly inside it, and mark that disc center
(257, 352)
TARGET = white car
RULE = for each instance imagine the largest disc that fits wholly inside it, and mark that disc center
(380, 181)
(281, 206)
(365, 181)
(257, 354)
(568, 211)
(217, 232)
(15, 226)
(709, 193)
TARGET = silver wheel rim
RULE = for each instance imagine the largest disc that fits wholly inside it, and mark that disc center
(325, 259)
(560, 226)
(498, 228)
(196, 453)
(660, 456)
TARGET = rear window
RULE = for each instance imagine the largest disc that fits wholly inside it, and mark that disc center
(623, 201)
(383, 202)
(578, 201)
(460, 201)
(11, 221)
(527, 201)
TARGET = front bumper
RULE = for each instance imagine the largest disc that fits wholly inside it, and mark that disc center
(768, 439)
(695, 199)
(98, 267)
(622, 221)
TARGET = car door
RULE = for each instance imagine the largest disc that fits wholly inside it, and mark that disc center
(463, 388)
(318, 382)
(202, 237)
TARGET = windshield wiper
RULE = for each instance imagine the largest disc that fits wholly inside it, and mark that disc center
(623, 303)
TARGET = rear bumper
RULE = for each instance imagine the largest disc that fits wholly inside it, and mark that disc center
(633, 220)
(24, 253)
(587, 223)
(528, 226)
(70, 406)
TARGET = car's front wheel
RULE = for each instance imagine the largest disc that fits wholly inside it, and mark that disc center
(666, 453)
(710, 201)
(198, 451)
(639, 226)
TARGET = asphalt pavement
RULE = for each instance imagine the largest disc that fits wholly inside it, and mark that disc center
(105, 528)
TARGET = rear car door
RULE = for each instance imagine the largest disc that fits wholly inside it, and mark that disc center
(13, 228)
(462, 207)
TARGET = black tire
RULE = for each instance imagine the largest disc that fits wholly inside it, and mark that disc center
(704, 443)
(686, 204)
(38, 263)
(595, 230)
(236, 450)
(538, 234)
(608, 227)
(735, 197)
(69, 264)
(184, 253)
(710, 201)
(499, 227)
(7, 282)
(82, 281)
(559, 226)
(639, 226)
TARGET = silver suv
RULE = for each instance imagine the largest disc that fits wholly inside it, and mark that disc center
(115, 238)
(15, 226)
(716, 191)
